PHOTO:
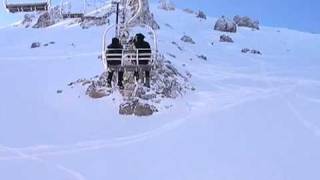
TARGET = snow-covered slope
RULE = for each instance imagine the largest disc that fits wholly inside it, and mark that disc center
(250, 116)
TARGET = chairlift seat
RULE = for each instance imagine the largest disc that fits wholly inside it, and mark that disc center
(27, 7)
(72, 15)
(130, 60)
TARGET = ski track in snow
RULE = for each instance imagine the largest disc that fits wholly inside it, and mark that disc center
(76, 175)
(206, 98)
(307, 124)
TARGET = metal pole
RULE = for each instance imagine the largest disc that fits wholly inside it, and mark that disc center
(117, 20)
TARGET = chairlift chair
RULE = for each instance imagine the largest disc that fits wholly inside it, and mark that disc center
(13, 7)
(130, 57)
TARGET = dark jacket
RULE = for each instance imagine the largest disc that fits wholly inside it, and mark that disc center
(141, 44)
(115, 48)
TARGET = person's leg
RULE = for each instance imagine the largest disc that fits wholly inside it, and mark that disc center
(136, 75)
(147, 78)
(110, 75)
(120, 79)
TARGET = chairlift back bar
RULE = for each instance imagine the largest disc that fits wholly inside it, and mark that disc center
(27, 7)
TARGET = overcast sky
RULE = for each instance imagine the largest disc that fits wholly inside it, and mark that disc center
(303, 15)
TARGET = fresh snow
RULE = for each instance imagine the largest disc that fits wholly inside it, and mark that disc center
(250, 117)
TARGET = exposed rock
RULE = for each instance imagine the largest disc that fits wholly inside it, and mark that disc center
(245, 50)
(172, 55)
(177, 45)
(166, 82)
(225, 25)
(166, 5)
(48, 18)
(35, 45)
(144, 109)
(203, 57)
(187, 39)
(226, 38)
(169, 26)
(253, 51)
(201, 15)
(146, 16)
(127, 108)
(96, 90)
(28, 20)
(246, 22)
(59, 91)
(134, 107)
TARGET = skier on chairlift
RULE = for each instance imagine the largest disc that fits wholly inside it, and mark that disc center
(115, 48)
(144, 51)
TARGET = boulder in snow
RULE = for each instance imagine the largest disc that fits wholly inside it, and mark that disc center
(226, 38)
(144, 109)
(35, 45)
(187, 39)
(253, 51)
(246, 22)
(201, 15)
(203, 57)
(225, 25)
(134, 107)
(127, 108)
(245, 50)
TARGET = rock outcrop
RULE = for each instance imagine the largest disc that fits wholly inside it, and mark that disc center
(225, 25)
(147, 17)
(201, 15)
(166, 5)
(226, 38)
(35, 45)
(187, 39)
(246, 22)
(48, 18)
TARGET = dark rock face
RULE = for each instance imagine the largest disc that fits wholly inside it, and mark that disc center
(201, 15)
(225, 25)
(226, 38)
(35, 45)
(187, 39)
(246, 22)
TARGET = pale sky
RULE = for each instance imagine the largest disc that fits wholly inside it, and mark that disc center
(303, 15)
